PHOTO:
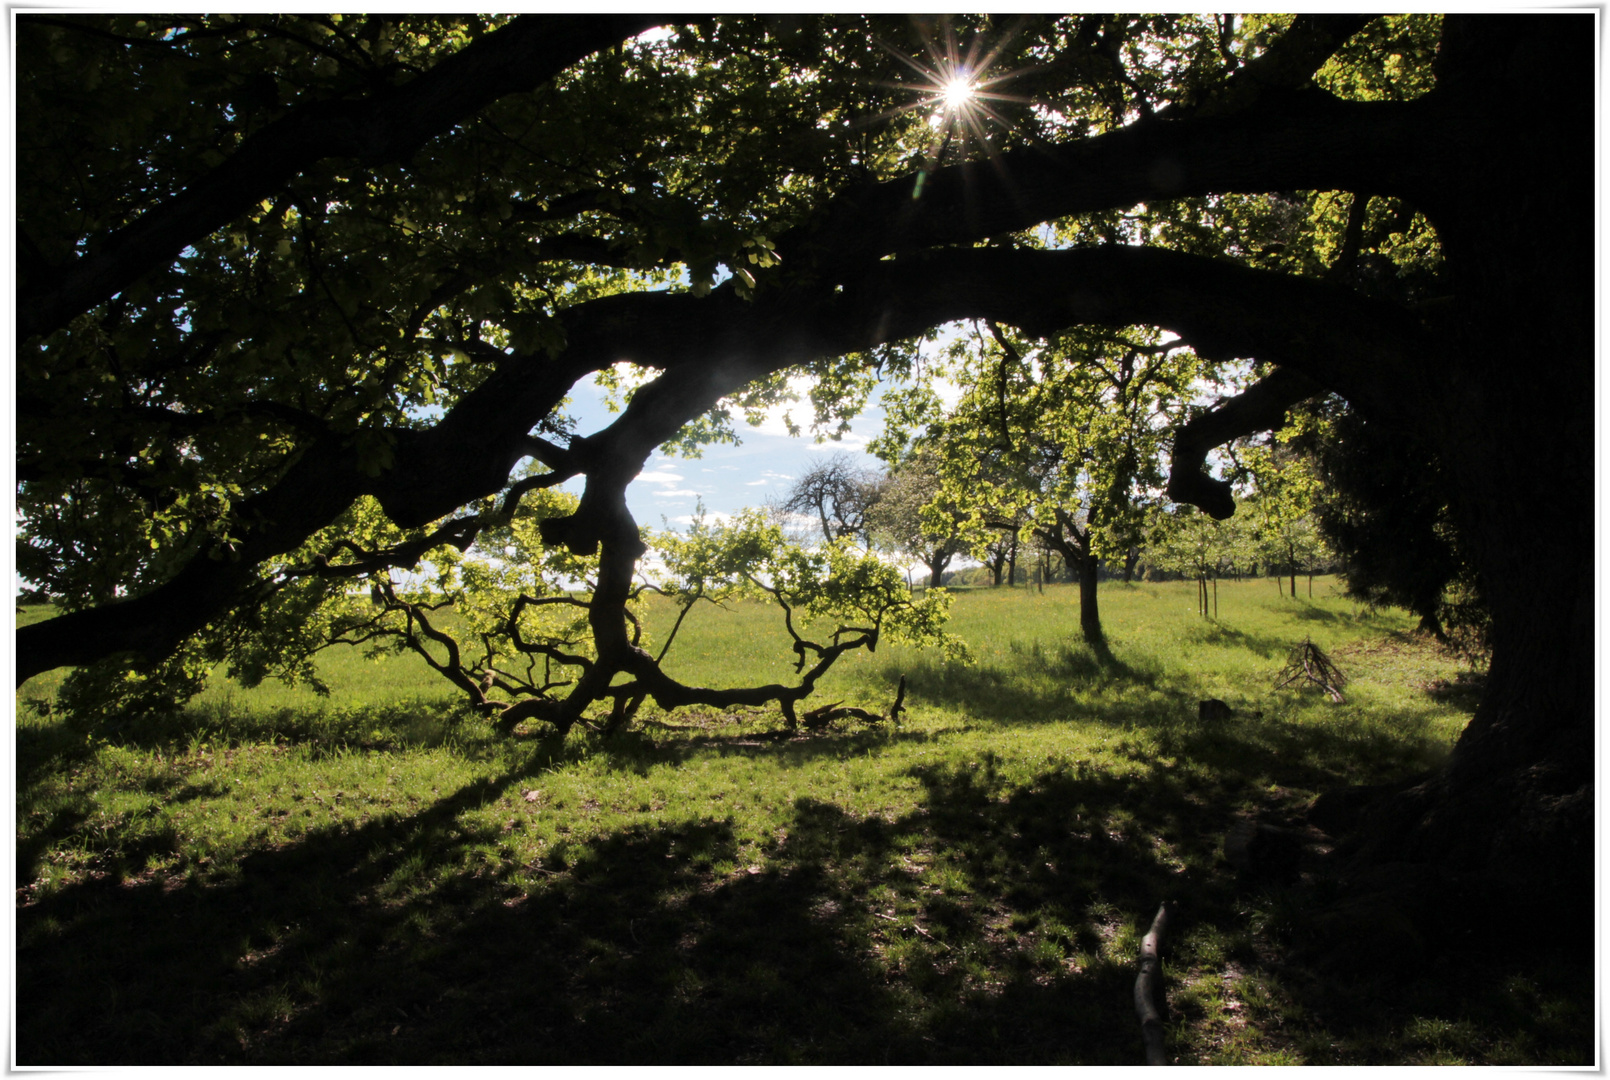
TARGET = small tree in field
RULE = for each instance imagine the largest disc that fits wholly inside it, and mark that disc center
(1188, 542)
(1286, 492)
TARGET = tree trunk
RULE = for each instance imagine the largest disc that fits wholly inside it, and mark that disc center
(1089, 614)
(1130, 559)
(1431, 625)
(1073, 544)
(1515, 800)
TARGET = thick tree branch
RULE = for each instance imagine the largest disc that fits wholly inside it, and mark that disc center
(1288, 64)
(381, 127)
(709, 348)
(1307, 140)
(1261, 407)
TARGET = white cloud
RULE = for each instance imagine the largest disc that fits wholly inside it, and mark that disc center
(658, 476)
(756, 483)
(711, 517)
(677, 493)
(850, 443)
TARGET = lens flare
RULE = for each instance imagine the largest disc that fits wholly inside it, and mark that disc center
(959, 91)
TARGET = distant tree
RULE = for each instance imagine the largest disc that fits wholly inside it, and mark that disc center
(1191, 543)
(837, 493)
(1061, 436)
(998, 551)
(912, 516)
(1281, 507)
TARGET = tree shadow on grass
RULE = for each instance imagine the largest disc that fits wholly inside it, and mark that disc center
(995, 923)
(1065, 686)
(1217, 633)
(376, 944)
(1309, 613)
(1091, 665)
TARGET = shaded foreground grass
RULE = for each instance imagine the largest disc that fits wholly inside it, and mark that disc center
(267, 879)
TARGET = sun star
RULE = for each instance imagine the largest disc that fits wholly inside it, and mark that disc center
(958, 92)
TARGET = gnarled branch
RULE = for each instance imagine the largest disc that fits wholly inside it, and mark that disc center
(1260, 407)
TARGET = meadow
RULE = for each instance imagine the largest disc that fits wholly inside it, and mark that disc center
(273, 877)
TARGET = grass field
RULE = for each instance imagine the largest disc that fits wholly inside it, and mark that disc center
(374, 877)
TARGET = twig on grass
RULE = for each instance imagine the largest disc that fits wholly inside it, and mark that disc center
(912, 926)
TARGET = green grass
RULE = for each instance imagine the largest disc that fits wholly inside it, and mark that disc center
(276, 878)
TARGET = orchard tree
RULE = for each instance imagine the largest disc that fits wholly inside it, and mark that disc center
(272, 265)
(913, 516)
(1287, 490)
(1188, 542)
(998, 550)
(1063, 436)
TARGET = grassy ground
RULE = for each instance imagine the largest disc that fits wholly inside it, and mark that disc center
(374, 877)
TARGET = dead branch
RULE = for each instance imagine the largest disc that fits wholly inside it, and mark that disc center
(1151, 971)
(820, 717)
(1310, 664)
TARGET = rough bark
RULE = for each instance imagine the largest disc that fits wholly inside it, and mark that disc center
(1515, 801)
(1089, 609)
(1072, 542)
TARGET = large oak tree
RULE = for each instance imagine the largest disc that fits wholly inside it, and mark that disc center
(268, 265)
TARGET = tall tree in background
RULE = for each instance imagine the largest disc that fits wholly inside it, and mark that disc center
(269, 265)
(1065, 436)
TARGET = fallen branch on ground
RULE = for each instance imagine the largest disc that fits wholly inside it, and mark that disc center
(1309, 663)
(819, 718)
(1151, 971)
